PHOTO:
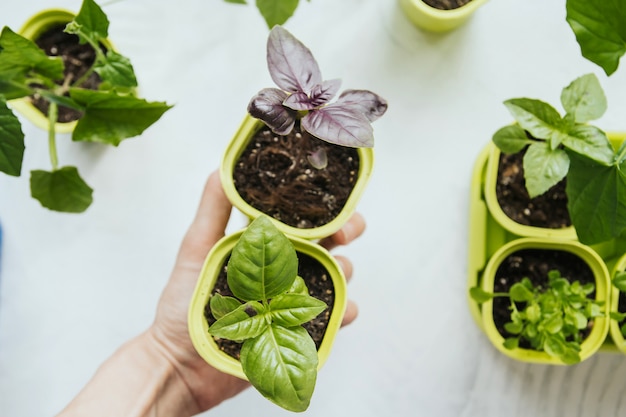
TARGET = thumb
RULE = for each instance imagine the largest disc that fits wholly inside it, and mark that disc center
(209, 224)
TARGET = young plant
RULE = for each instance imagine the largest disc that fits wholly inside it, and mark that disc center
(303, 94)
(275, 12)
(619, 281)
(599, 29)
(271, 303)
(567, 146)
(109, 115)
(550, 319)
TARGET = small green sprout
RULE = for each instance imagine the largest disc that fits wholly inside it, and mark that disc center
(551, 319)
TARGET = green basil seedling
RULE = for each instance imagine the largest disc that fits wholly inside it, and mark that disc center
(550, 319)
(567, 146)
(271, 303)
(109, 115)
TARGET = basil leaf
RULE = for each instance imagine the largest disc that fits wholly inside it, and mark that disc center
(116, 70)
(299, 287)
(596, 196)
(591, 142)
(244, 322)
(599, 29)
(543, 168)
(90, 24)
(220, 305)
(620, 281)
(290, 310)
(11, 141)
(519, 292)
(340, 125)
(263, 263)
(282, 365)
(110, 118)
(61, 190)
(479, 295)
(584, 99)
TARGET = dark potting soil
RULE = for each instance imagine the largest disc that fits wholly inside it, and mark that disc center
(77, 59)
(320, 286)
(274, 176)
(548, 210)
(446, 4)
(535, 264)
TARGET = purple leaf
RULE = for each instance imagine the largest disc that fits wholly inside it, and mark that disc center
(320, 95)
(339, 125)
(267, 106)
(290, 63)
(370, 104)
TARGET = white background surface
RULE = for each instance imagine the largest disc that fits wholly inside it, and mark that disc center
(74, 287)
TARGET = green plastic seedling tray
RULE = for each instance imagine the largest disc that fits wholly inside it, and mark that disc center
(486, 235)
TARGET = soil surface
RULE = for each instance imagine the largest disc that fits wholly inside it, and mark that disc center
(320, 286)
(77, 59)
(535, 264)
(446, 4)
(274, 176)
(548, 210)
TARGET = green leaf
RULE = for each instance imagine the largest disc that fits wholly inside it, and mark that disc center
(299, 287)
(276, 12)
(584, 99)
(90, 24)
(614, 315)
(61, 190)
(236, 1)
(543, 168)
(591, 142)
(519, 292)
(511, 139)
(16, 88)
(511, 343)
(596, 196)
(540, 119)
(553, 346)
(579, 319)
(533, 313)
(570, 356)
(220, 305)
(513, 328)
(11, 141)
(599, 29)
(20, 56)
(263, 263)
(479, 295)
(110, 118)
(116, 70)
(243, 323)
(290, 310)
(553, 324)
(620, 281)
(282, 365)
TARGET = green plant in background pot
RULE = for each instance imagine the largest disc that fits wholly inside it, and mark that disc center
(556, 147)
(274, 12)
(545, 301)
(298, 157)
(439, 15)
(108, 112)
(599, 29)
(263, 309)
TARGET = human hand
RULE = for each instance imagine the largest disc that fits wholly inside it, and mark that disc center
(206, 385)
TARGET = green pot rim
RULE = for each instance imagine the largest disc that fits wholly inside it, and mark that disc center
(198, 327)
(236, 146)
(600, 328)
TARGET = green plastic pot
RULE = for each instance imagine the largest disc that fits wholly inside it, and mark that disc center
(204, 343)
(235, 148)
(600, 329)
(32, 29)
(435, 20)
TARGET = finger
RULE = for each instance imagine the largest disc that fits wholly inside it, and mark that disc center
(346, 266)
(352, 311)
(209, 223)
(350, 231)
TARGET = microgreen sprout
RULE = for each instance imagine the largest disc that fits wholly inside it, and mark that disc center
(270, 304)
(551, 319)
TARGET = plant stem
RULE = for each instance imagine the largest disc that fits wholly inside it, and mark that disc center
(53, 112)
